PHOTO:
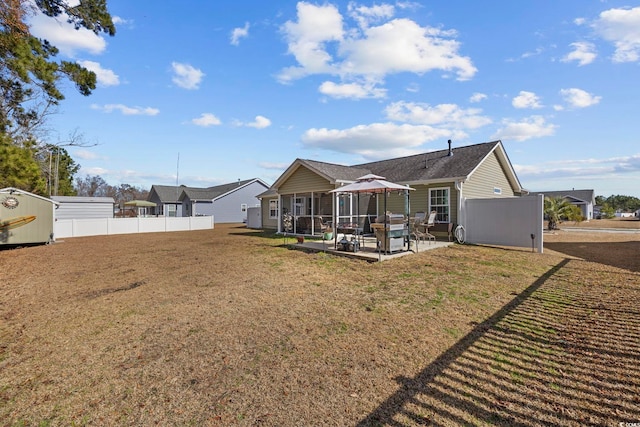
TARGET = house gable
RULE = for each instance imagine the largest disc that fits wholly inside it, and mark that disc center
(303, 180)
(489, 179)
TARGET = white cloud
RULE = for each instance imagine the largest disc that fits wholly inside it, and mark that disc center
(65, 37)
(449, 115)
(238, 33)
(531, 127)
(351, 90)
(401, 45)
(365, 16)
(104, 76)
(186, 76)
(275, 166)
(85, 154)
(526, 100)
(622, 27)
(589, 168)
(118, 20)
(578, 98)
(583, 52)
(375, 141)
(127, 111)
(206, 120)
(477, 97)
(95, 171)
(260, 122)
(316, 26)
(321, 44)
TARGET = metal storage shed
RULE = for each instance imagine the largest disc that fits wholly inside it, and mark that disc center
(77, 207)
(25, 218)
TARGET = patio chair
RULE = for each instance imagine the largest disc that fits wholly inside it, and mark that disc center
(417, 229)
(431, 221)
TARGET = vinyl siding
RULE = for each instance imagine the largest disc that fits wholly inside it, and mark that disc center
(488, 176)
(82, 210)
(304, 181)
(228, 208)
(270, 223)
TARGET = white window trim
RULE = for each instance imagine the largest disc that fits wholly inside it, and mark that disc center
(276, 210)
(448, 199)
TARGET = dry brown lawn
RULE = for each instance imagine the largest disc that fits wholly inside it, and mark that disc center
(232, 327)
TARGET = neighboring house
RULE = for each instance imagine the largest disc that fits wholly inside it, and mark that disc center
(166, 198)
(620, 214)
(584, 199)
(441, 179)
(77, 207)
(227, 203)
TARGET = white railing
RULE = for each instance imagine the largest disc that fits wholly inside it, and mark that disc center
(107, 226)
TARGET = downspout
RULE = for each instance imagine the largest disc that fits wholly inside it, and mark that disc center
(462, 220)
(279, 213)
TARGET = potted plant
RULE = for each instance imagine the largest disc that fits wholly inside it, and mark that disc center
(328, 234)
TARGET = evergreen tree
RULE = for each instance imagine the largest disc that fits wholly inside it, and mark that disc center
(29, 73)
(18, 167)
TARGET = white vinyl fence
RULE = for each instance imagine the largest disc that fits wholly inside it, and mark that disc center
(105, 226)
(514, 221)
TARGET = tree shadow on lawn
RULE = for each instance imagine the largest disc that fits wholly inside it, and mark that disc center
(559, 353)
(624, 255)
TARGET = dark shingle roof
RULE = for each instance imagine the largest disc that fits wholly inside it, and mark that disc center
(432, 165)
(425, 167)
(167, 193)
(334, 171)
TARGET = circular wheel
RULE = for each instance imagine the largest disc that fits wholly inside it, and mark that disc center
(459, 234)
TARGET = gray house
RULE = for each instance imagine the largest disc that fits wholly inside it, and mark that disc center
(76, 207)
(227, 203)
(584, 199)
(166, 198)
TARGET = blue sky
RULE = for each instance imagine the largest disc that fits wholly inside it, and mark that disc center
(240, 89)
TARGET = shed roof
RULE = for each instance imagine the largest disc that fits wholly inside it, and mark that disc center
(11, 190)
(82, 199)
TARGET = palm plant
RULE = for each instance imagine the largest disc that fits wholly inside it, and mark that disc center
(559, 208)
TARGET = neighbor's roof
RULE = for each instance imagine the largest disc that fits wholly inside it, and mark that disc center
(583, 195)
(167, 193)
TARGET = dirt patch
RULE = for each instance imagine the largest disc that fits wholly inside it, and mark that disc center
(231, 327)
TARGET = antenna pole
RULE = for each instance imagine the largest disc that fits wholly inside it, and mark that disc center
(177, 180)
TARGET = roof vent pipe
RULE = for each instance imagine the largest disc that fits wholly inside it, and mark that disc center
(450, 150)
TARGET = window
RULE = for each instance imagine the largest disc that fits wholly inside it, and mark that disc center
(273, 209)
(171, 210)
(299, 206)
(497, 191)
(439, 202)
